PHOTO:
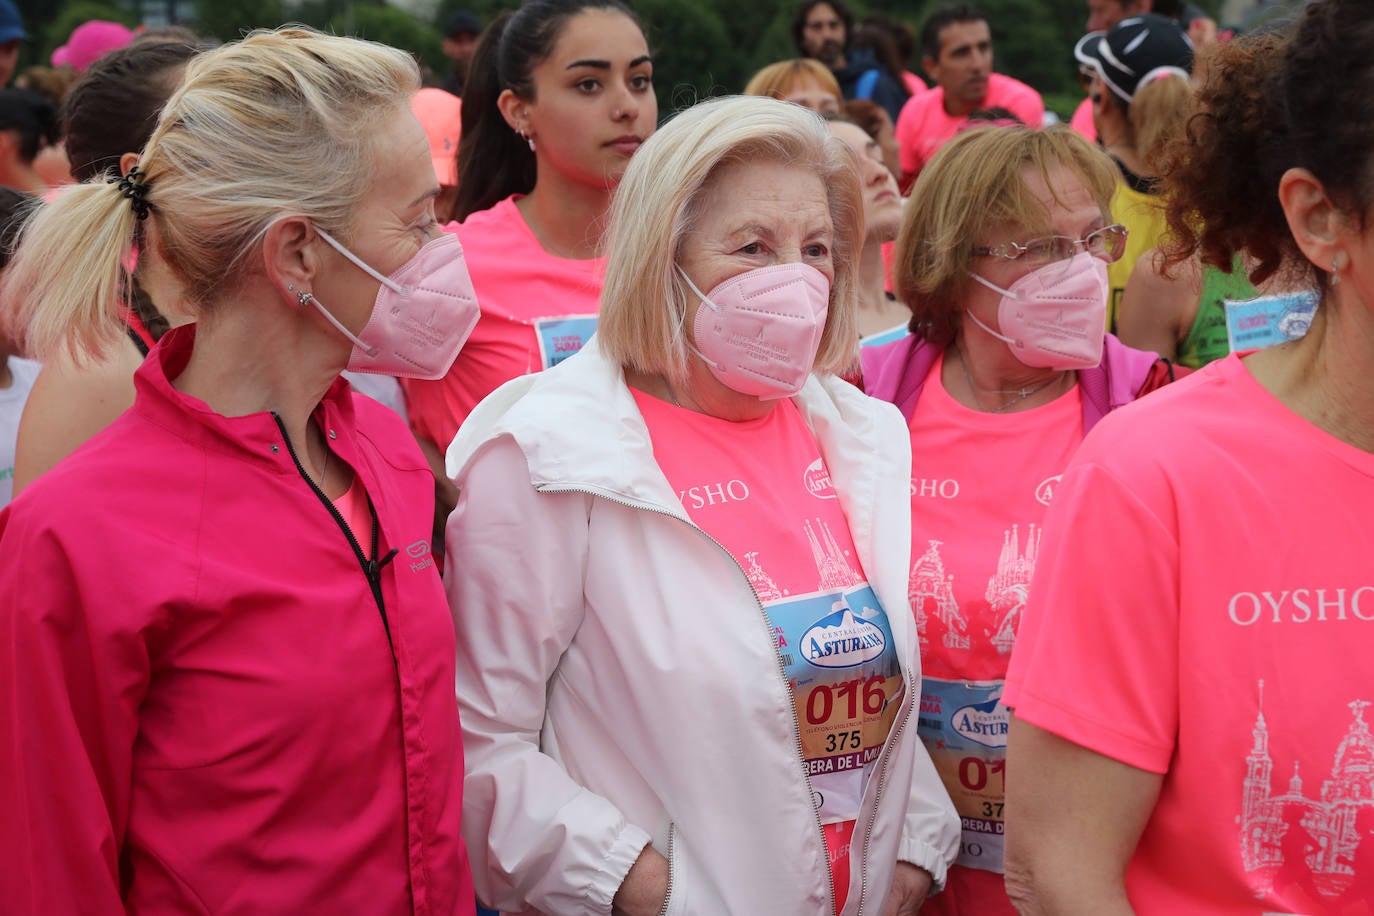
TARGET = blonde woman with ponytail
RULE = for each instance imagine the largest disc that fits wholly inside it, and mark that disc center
(225, 657)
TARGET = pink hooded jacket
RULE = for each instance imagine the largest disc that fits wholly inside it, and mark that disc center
(213, 698)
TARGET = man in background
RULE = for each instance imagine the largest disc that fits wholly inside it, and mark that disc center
(957, 45)
(11, 33)
(461, 31)
(822, 30)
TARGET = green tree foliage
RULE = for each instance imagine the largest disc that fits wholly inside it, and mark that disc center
(397, 28)
(685, 40)
(54, 33)
(230, 20)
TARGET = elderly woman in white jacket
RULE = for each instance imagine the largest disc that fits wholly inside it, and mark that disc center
(687, 668)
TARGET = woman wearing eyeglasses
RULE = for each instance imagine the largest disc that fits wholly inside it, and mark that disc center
(1002, 259)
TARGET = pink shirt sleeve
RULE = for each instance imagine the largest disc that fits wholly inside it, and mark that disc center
(70, 689)
(906, 131)
(1096, 661)
(1083, 120)
(1025, 103)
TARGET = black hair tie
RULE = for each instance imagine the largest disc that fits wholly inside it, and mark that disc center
(135, 190)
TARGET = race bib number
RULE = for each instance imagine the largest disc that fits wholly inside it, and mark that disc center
(561, 337)
(846, 689)
(964, 726)
(1253, 324)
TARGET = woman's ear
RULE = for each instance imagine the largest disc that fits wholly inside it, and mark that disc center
(290, 257)
(1321, 229)
(515, 110)
(127, 162)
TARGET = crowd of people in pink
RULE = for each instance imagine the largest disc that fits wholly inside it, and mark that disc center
(857, 496)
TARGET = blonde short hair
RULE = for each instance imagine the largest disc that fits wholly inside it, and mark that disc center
(280, 123)
(973, 185)
(776, 81)
(644, 302)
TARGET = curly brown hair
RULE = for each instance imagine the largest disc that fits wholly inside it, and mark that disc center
(1303, 98)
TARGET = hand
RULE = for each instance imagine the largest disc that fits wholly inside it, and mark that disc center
(909, 888)
(644, 892)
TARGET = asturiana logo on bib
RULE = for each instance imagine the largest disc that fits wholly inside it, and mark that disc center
(985, 723)
(818, 481)
(842, 641)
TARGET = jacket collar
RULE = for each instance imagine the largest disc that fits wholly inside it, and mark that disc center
(255, 437)
(579, 428)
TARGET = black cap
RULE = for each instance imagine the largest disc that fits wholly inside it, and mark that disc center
(1136, 50)
(462, 23)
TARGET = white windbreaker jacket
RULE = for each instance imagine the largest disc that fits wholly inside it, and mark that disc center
(618, 680)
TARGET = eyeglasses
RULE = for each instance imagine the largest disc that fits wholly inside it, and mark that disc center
(1107, 244)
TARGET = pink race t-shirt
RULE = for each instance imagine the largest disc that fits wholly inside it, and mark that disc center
(1204, 608)
(780, 519)
(980, 485)
(537, 310)
(1083, 120)
(923, 126)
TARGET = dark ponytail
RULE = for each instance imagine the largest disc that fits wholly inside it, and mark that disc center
(494, 161)
(112, 109)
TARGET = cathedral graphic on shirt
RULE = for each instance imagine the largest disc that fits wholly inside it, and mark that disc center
(1310, 844)
(931, 592)
(836, 570)
(764, 586)
(1010, 584)
(834, 567)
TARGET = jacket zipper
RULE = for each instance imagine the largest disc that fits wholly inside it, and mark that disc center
(777, 657)
(893, 738)
(371, 567)
(668, 897)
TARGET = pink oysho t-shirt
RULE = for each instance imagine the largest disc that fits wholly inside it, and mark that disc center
(1204, 608)
(923, 126)
(1083, 120)
(352, 506)
(781, 521)
(980, 485)
(537, 310)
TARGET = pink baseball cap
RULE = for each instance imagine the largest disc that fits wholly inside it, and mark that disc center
(439, 113)
(91, 41)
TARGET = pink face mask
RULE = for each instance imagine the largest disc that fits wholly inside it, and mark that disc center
(758, 331)
(423, 314)
(1054, 317)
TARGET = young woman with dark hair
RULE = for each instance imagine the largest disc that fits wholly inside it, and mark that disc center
(559, 96)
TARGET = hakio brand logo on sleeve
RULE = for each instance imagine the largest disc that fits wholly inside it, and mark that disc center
(420, 556)
(817, 479)
(842, 640)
